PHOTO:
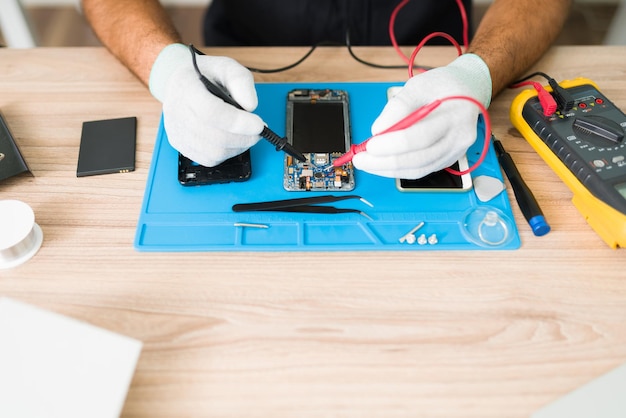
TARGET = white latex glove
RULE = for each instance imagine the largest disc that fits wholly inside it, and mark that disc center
(200, 125)
(442, 137)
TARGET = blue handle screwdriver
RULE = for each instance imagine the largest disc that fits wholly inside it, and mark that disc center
(524, 196)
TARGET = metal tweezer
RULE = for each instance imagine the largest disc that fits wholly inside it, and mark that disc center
(303, 205)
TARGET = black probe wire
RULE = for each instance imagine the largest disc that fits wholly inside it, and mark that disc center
(370, 64)
(348, 45)
(564, 100)
(261, 70)
(535, 74)
(287, 67)
(193, 58)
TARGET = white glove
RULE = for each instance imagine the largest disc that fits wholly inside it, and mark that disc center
(442, 137)
(200, 125)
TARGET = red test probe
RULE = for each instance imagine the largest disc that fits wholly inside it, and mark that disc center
(415, 117)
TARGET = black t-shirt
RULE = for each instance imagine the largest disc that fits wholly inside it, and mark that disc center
(306, 23)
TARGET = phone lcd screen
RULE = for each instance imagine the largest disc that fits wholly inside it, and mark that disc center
(318, 125)
(439, 180)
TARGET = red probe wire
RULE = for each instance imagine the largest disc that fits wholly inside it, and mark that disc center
(426, 39)
(547, 101)
(410, 60)
(415, 117)
(425, 110)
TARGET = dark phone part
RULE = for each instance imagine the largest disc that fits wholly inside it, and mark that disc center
(318, 122)
(439, 180)
(235, 169)
(11, 161)
(107, 146)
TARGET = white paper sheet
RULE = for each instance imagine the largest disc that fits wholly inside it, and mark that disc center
(603, 397)
(54, 366)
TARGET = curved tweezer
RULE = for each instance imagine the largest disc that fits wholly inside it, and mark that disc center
(304, 204)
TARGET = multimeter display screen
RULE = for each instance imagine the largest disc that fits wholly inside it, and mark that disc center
(621, 189)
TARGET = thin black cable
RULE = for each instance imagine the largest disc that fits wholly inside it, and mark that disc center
(314, 47)
(535, 74)
(309, 53)
(285, 68)
(370, 64)
(348, 45)
(195, 51)
(295, 64)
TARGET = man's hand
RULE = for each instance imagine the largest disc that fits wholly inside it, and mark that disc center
(198, 124)
(442, 137)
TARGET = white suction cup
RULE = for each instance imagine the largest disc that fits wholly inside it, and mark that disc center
(488, 227)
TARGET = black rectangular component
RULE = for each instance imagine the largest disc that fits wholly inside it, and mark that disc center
(319, 127)
(442, 180)
(107, 146)
(437, 180)
(11, 161)
(235, 169)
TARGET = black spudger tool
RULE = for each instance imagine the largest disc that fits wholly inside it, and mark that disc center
(279, 142)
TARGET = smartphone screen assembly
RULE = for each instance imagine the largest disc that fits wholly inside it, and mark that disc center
(235, 169)
(441, 181)
(318, 125)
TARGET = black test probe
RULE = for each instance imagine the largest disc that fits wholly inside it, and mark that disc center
(279, 142)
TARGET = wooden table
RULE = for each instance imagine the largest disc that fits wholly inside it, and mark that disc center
(374, 334)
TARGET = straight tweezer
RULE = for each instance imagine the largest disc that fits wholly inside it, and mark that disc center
(304, 204)
(288, 203)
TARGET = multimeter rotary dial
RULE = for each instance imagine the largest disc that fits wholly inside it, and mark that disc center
(599, 130)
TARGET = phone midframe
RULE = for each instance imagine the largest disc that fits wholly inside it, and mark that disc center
(318, 125)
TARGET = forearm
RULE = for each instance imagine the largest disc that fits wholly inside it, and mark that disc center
(514, 34)
(135, 31)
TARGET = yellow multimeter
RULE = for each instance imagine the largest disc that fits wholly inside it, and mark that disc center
(585, 147)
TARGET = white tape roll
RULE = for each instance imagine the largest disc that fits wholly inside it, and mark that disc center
(20, 236)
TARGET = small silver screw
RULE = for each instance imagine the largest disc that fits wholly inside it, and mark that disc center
(421, 240)
(432, 240)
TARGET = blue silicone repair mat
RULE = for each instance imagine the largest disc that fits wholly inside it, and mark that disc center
(200, 218)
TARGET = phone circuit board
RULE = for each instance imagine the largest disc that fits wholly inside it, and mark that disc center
(318, 124)
(317, 173)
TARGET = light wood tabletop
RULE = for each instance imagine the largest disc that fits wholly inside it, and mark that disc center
(333, 334)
